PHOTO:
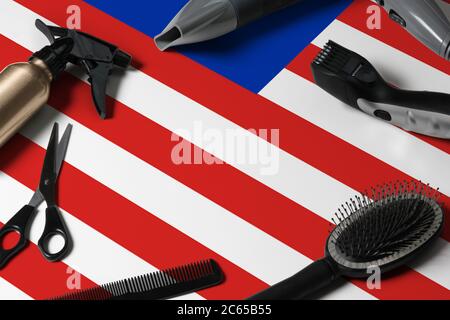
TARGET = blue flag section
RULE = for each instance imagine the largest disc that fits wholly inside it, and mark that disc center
(251, 56)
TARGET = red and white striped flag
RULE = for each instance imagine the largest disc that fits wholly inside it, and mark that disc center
(132, 209)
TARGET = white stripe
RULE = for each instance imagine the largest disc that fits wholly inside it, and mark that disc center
(10, 292)
(203, 220)
(392, 145)
(174, 111)
(226, 234)
(94, 255)
(136, 86)
(438, 270)
(385, 142)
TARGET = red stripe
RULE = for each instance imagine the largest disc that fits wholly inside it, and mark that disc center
(168, 246)
(253, 126)
(32, 274)
(167, 68)
(353, 157)
(117, 218)
(394, 35)
(260, 113)
(398, 286)
(233, 193)
(236, 192)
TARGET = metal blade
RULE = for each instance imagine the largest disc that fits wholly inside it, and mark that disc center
(62, 148)
(48, 175)
(37, 199)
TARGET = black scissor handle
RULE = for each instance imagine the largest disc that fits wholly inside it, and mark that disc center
(19, 223)
(54, 226)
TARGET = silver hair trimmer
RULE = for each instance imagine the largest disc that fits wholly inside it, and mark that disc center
(424, 19)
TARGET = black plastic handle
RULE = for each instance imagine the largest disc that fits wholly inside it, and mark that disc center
(316, 276)
(98, 77)
(421, 100)
(20, 224)
(251, 10)
(54, 226)
(271, 6)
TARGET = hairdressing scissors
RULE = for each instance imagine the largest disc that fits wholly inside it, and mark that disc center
(46, 191)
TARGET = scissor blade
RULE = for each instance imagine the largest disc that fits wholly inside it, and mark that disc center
(62, 148)
(48, 175)
(37, 199)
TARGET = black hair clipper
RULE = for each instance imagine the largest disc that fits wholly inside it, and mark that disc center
(353, 80)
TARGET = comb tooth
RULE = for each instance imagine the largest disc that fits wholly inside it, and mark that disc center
(154, 280)
(158, 280)
(189, 272)
(145, 286)
(165, 278)
(200, 269)
(181, 274)
(190, 268)
(185, 273)
(144, 282)
(207, 267)
(107, 288)
(139, 287)
(170, 275)
(195, 271)
(123, 287)
(113, 289)
(130, 285)
(138, 284)
(148, 285)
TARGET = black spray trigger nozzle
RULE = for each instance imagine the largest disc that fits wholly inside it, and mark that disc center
(96, 56)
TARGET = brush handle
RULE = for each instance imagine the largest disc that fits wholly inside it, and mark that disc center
(314, 277)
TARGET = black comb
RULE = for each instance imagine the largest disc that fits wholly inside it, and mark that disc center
(163, 284)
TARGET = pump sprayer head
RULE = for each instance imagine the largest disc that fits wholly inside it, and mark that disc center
(95, 56)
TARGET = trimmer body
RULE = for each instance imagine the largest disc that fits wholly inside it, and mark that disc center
(353, 80)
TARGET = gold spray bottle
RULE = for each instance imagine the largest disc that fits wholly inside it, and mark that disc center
(25, 87)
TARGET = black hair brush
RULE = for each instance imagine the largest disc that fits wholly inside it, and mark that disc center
(386, 229)
(155, 286)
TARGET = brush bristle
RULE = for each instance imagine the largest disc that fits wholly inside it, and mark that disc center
(333, 57)
(147, 282)
(385, 221)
